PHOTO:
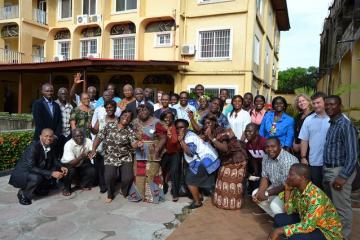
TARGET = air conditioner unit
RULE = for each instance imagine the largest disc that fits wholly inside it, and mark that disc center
(82, 19)
(188, 49)
(93, 55)
(59, 58)
(94, 18)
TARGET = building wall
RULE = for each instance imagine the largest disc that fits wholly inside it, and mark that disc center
(191, 16)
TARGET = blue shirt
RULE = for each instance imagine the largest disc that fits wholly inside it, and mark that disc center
(194, 103)
(283, 129)
(50, 105)
(314, 131)
(227, 109)
(341, 147)
(100, 101)
(222, 121)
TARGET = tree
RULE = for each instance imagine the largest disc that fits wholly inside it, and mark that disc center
(294, 78)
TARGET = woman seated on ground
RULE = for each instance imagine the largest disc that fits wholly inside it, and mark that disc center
(147, 166)
(229, 187)
(203, 161)
(171, 160)
(119, 141)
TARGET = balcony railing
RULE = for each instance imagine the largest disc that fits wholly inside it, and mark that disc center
(9, 12)
(40, 16)
(8, 56)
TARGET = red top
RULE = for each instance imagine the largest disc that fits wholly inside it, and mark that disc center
(257, 150)
(172, 143)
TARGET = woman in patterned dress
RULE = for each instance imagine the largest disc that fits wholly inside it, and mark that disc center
(229, 187)
(118, 144)
(148, 179)
(81, 116)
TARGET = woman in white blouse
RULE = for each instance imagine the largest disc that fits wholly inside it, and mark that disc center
(238, 117)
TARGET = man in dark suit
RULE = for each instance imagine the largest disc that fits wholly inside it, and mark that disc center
(139, 99)
(46, 112)
(36, 168)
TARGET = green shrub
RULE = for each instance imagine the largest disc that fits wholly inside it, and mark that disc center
(16, 116)
(12, 145)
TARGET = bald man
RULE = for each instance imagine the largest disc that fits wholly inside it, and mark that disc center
(46, 112)
(37, 168)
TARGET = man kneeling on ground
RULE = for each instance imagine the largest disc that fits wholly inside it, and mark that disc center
(309, 212)
(76, 158)
(37, 168)
(275, 168)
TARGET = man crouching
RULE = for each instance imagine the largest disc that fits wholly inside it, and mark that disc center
(36, 168)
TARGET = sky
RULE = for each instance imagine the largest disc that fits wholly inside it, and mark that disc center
(300, 46)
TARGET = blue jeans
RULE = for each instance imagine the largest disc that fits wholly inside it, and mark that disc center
(284, 219)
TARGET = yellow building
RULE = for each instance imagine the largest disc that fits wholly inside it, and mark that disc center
(169, 45)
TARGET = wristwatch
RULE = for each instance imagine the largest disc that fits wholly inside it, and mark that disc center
(266, 194)
(213, 140)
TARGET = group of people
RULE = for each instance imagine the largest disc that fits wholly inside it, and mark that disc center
(298, 170)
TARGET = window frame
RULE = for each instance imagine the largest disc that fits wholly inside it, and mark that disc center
(203, 2)
(114, 12)
(59, 11)
(58, 42)
(257, 56)
(112, 37)
(82, 8)
(213, 59)
(157, 44)
(88, 39)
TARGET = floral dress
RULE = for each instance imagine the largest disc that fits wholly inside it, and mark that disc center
(82, 119)
(148, 176)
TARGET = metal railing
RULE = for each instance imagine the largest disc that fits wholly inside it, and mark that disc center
(9, 12)
(9, 56)
(40, 16)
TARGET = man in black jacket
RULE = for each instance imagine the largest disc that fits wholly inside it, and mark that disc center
(46, 112)
(36, 167)
(139, 99)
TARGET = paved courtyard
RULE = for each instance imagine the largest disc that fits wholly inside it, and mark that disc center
(83, 215)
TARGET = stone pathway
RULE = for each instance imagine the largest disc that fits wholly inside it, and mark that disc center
(83, 215)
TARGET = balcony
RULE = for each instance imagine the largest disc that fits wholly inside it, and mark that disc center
(9, 56)
(40, 16)
(9, 12)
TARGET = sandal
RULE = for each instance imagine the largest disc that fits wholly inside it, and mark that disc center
(175, 199)
(66, 193)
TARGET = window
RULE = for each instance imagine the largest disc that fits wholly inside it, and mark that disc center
(259, 6)
(214, 91)
(63, 49)
(125, 5)
(64, 9)
(256, 50)
(89, 7)
(88, 46)
(124, 47)
(163, 39)
(214, 44)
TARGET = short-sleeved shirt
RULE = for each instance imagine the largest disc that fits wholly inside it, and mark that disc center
(65, 113)
(117, 144)
(82, 119)
(277, 170)
(72, 150)
(182, 112)
(314, 131)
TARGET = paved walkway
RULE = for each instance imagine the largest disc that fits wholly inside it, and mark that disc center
(211, 223)
(84, 216)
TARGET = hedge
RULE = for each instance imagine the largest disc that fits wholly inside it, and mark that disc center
(12, 145)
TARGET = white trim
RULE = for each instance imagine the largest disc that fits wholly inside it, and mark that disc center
(82, 8)
(198, 52)
(114, 12)
(203, 2)
(59, 10)
(166, 45)
(112, 37)
(90, 38)
(235, 87)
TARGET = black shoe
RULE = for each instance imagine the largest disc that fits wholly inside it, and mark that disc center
(42, 191)
(22, 199)
(103, 190)
(193, 205)
(165, 188)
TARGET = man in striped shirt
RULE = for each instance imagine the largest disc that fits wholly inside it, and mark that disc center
(340, 159)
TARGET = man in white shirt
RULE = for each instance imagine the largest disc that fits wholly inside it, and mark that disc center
(76, 158)
(183, 107)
